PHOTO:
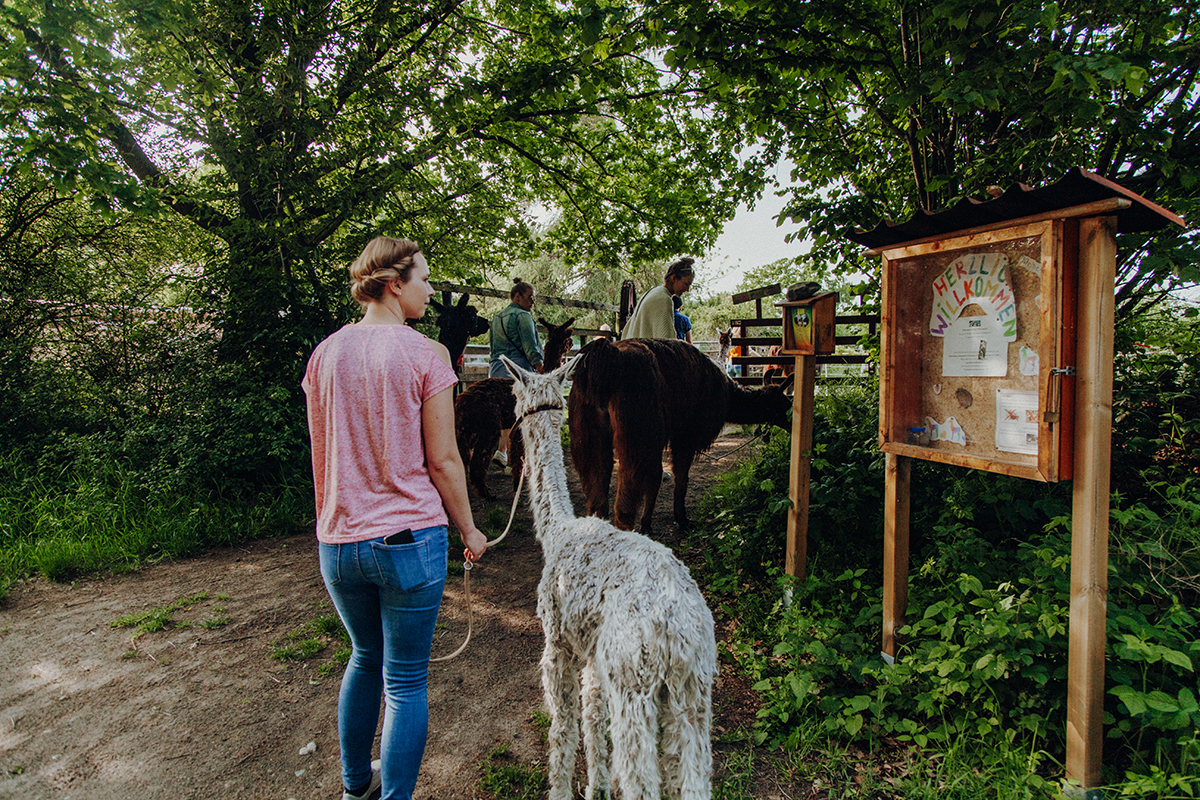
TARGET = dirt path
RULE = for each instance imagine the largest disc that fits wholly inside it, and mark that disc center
(206, 712)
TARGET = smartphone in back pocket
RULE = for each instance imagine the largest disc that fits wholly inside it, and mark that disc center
(399, 537)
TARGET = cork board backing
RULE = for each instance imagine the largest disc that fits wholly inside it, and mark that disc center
(914, 387)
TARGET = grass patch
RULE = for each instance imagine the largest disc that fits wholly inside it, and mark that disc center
(336, 663)
(103, 518)
(311, 638)
(541, 723)
(156, 619)
(298, 651)
(504, 778)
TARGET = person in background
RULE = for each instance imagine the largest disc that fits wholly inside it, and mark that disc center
(683, 325)
(514, 334)
(386, 474)
(654, 317)
(736, 370)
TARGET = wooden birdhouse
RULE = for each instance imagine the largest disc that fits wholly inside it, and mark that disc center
(808, 325)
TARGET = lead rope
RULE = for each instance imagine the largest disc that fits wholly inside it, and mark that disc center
(742, 446)
(468, 566)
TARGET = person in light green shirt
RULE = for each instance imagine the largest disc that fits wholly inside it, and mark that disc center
(514, 335)
(654, 317)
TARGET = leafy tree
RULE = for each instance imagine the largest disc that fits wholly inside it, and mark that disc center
(292, 132)
(888, 107)
(87, 343)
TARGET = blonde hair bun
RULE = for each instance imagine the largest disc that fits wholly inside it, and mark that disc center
(382, 261)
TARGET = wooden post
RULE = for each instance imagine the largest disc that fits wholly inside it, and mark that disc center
(795, 562)
(1090, 506)
(895, 547)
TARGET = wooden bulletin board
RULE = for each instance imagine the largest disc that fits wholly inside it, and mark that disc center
(972, 351)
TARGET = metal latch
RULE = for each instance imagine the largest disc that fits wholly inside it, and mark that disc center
(1054, 394)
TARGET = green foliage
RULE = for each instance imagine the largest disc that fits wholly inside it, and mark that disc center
(1156, 400)
(294, 135)
(747, 510)
(99, 516)
(888, 108)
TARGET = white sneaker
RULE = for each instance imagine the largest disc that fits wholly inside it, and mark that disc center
(501, 458)
(373, 791)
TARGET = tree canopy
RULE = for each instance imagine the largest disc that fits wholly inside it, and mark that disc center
(889, 107)
(292, 131)
(289, 132)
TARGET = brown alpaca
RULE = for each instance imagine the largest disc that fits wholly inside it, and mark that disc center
(480, 413)
(632, 398)
(558, 344)
(486, 408)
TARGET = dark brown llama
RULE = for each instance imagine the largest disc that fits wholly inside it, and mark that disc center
(631, 399)
(480, 413)
(558, 343)
(486, 408)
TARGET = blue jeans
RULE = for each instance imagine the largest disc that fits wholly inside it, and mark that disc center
(388, 598)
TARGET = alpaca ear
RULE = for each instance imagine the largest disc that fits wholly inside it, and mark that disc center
(568, 369)
(518, 373)
(462, 300)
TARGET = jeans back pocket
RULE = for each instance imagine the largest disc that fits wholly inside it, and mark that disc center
(403, 566)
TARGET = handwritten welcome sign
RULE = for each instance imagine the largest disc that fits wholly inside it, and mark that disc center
(975, 278)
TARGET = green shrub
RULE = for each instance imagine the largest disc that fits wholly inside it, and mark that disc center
(981, 671)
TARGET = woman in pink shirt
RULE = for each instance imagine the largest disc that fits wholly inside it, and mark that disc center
(387, 473)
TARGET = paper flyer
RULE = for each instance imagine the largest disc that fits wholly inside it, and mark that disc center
(1017, 421)
(974, 346)
(946, 431)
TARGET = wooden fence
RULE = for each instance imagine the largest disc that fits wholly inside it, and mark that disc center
(755, 348)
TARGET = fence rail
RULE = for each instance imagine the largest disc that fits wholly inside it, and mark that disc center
(751, 367)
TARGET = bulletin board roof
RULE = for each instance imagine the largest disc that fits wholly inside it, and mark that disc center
(1077, 187)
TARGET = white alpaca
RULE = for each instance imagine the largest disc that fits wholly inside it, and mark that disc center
(626, 629)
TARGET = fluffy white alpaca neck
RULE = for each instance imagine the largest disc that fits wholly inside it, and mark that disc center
(547, 477)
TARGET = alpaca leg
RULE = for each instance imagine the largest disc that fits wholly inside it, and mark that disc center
(686, 760)
(592, 453)
(639, 446)
(651, 486)
(560, 692)
(681, 465)
(669, 745)
(595, 715)
(516, 456)
(481, 459)
(638, 481)
(635, 744)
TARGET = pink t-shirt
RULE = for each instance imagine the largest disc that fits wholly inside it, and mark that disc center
(366, 385)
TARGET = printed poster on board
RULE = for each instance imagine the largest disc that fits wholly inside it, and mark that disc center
(1017, 421)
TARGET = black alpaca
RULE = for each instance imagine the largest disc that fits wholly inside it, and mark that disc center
(457, 324)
